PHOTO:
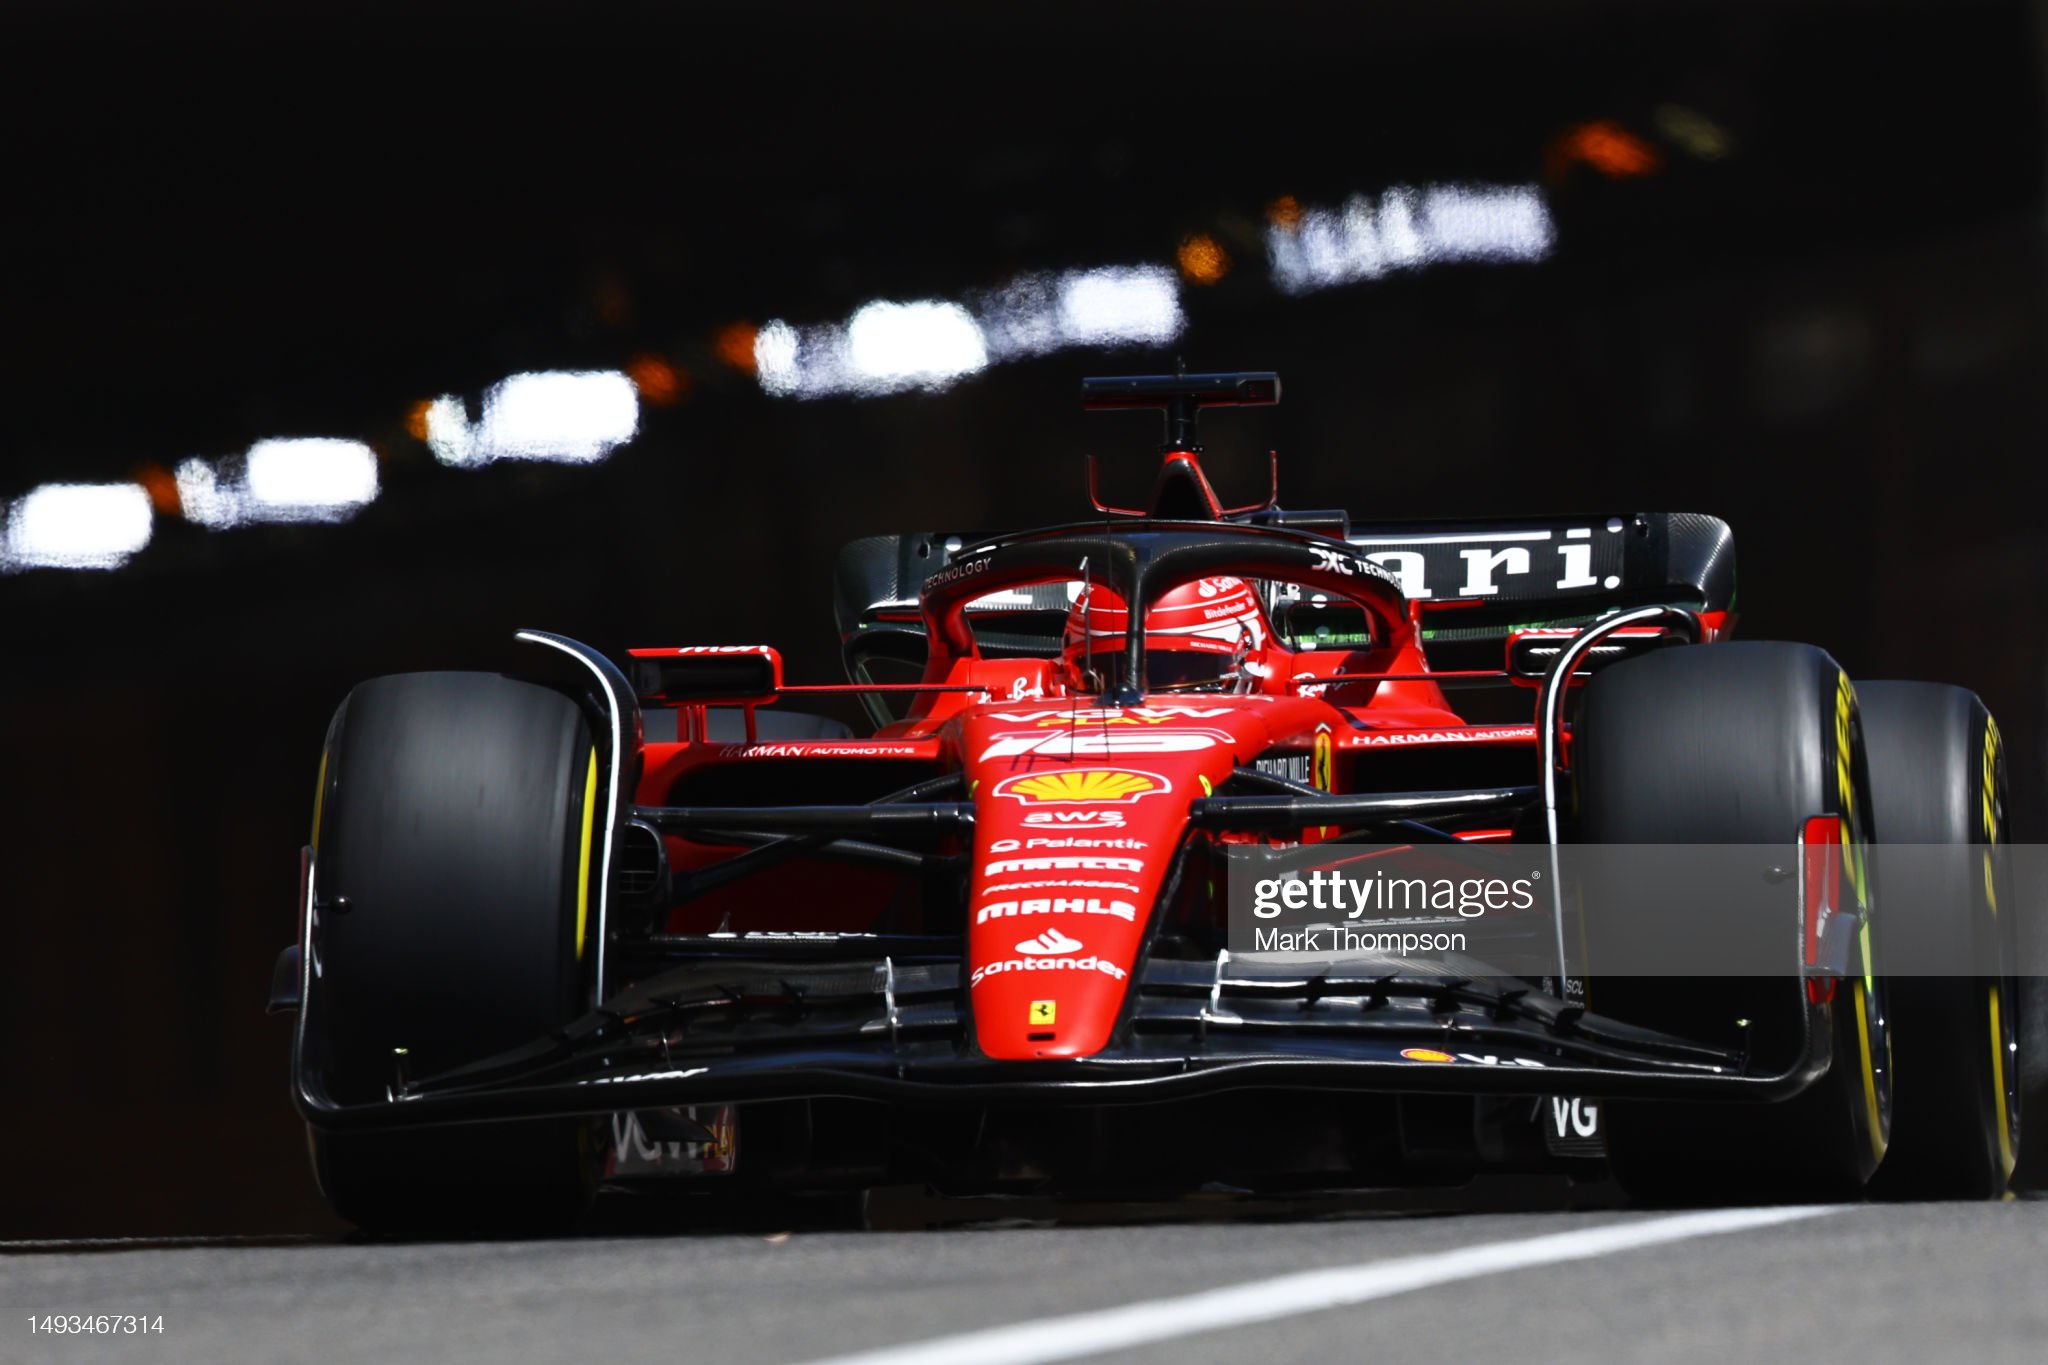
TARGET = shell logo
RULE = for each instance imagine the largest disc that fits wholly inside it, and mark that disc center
(1083, 786)
(1426, 1054)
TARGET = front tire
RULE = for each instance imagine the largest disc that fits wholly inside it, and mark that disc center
(454, 856)
(1734, 744)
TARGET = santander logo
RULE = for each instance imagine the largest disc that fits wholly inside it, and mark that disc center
(1051, 943)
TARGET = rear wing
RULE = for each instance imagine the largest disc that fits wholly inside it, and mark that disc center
(1520, 573)
(1502, 575)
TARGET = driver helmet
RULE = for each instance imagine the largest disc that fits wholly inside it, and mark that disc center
(1209, 635)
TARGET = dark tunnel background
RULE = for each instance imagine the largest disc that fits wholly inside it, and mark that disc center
(1797, 281)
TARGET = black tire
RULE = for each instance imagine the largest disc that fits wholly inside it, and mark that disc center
(2030, 1174)
(450, 847)
(1937, 778)
(1733, 744)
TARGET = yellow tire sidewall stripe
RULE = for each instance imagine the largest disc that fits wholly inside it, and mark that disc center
(1879, 1139)
(583, 855)
(319, 800)
(2006, 1156)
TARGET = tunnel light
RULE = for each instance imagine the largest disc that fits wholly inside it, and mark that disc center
(319, 477)
(1022, 318)
(927, 344)
(286, 479)
(205, 501)
(1404, 229)
(567, 416)
(1608, 148)
(1119, 305)
(1499, 224)
(1037, 314)
(775, 359)
(658, 383)
(446, 424)
(1202, 259)
(884, 348)
(890, 347)
(76, 526)
(561, 416)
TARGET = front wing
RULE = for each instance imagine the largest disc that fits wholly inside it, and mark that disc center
(789, 1026)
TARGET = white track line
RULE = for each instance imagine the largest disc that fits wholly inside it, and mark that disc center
(1310, 1291)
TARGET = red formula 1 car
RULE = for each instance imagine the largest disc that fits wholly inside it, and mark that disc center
(589, 921)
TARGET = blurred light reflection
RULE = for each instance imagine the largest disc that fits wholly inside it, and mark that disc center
(1113, 306)
(890, 347)
(76, 526)
(1202, 259)
(1404, 229)
(562, 416)
(314, 475)
(904, 345)
(883, 348)
(1607, 147)
(660, 384)
(735, 345)
(296, 479)
(1119, 305)
(1694, 131)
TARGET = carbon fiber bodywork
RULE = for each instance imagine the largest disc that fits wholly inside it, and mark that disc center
(730, 1029)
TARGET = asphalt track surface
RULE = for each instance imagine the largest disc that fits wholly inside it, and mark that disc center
(1873, 1283)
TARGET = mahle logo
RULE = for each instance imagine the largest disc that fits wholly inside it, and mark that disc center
(1082, 786)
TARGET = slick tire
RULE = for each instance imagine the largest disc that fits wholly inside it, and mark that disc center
(1937, 783)
(2030, 1173)
(1733, 744)
(453, 866)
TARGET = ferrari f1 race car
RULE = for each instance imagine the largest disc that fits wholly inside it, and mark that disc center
(646, 922)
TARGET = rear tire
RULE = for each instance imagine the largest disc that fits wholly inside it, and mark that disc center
(1937, 777)
(455, 825)
(1733, 744)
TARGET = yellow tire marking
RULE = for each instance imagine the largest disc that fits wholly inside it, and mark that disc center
(2005, 1152)
(319, 796)
(1878, 1137)
(583, 860)
(1988, 801)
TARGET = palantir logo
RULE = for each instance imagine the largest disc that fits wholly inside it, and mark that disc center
(1051, 943)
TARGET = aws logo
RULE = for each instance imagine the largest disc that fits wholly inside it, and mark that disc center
(1083, 786)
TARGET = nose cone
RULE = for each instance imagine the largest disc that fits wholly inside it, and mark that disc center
(1078, 817)
(1051, 984)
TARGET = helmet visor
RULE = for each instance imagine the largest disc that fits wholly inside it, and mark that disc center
(1188, 669)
